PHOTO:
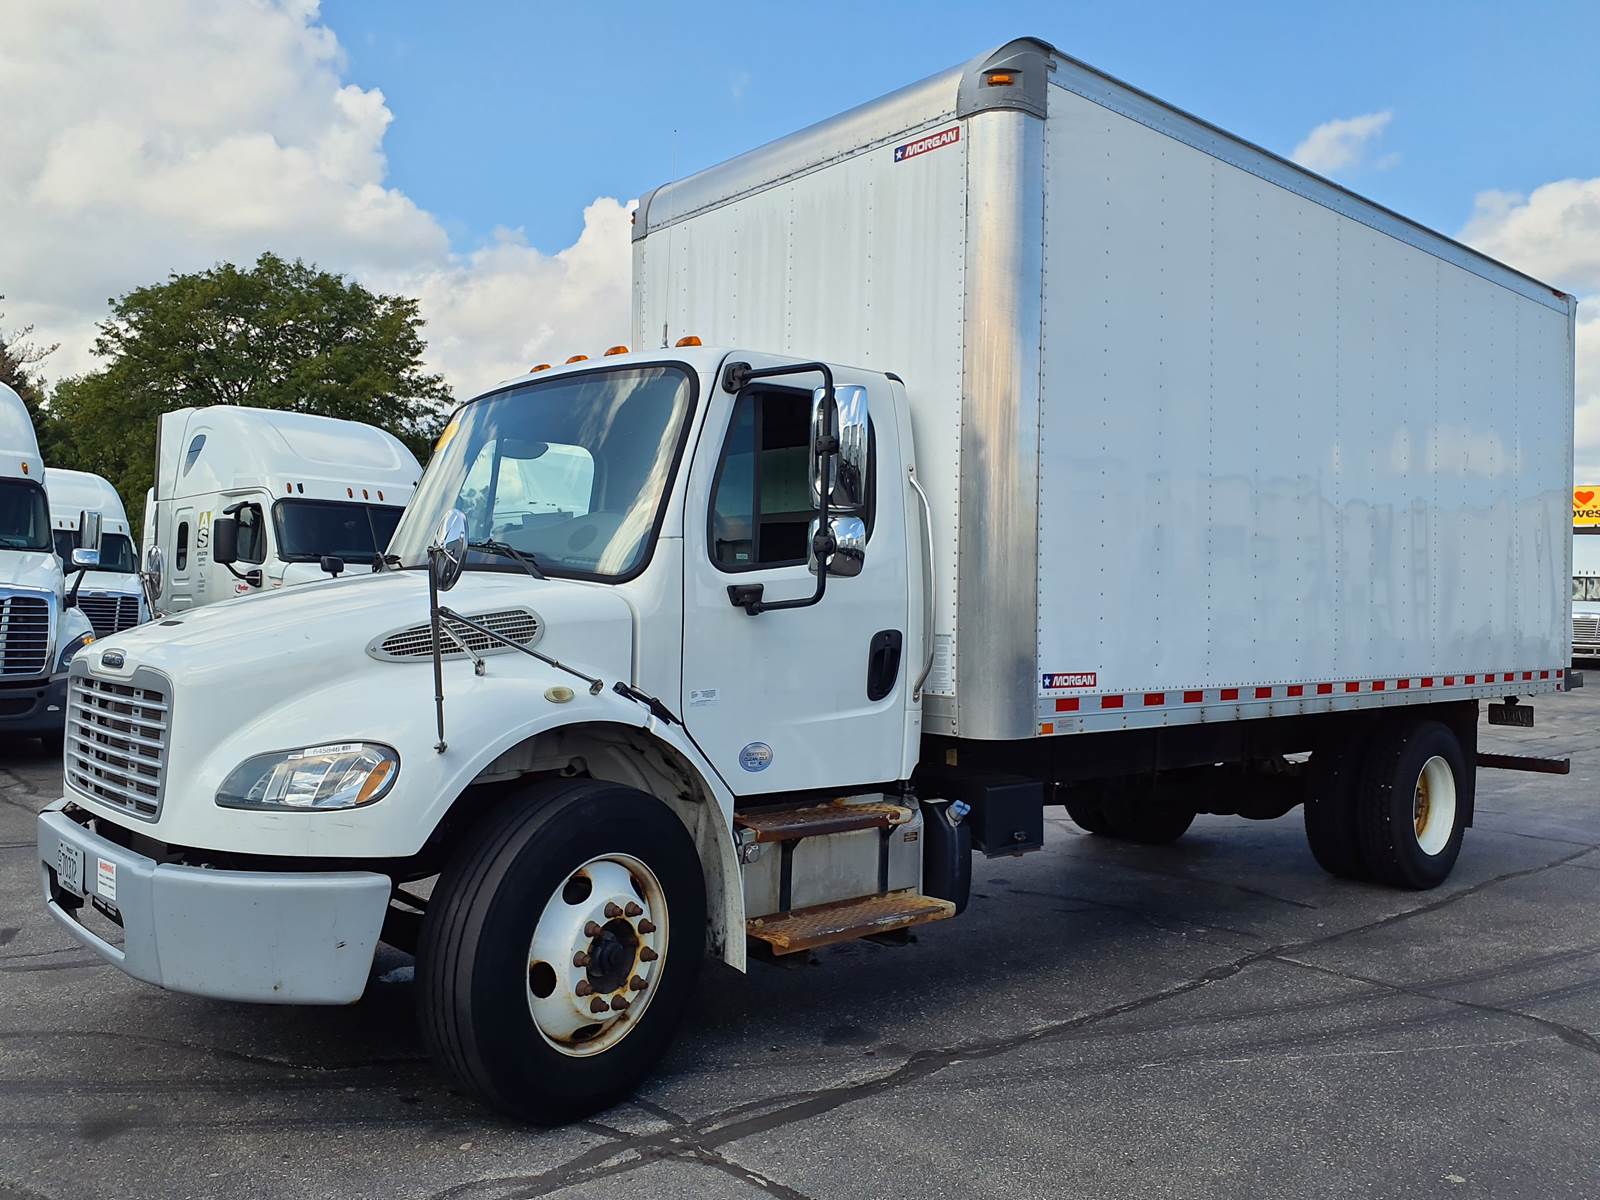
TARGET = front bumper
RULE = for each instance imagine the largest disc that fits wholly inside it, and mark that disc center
(35, 708)
(273, 937)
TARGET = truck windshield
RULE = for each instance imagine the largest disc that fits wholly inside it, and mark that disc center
(309, 529)
(24, 516)
(571, 472)
(116, 551)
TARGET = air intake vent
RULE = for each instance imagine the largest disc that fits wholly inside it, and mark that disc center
(416, 641)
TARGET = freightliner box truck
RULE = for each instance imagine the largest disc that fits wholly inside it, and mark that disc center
(1048, 446)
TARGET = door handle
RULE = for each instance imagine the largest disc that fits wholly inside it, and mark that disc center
(883, 663)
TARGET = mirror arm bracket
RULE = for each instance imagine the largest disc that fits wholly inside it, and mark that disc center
(252, 576)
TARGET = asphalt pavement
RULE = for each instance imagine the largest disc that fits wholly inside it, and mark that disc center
(1216, 1018)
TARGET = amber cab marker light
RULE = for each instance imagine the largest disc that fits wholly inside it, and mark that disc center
(534, 370)
(578, 358)
(691, 340)
(616, 350)
(999, 79)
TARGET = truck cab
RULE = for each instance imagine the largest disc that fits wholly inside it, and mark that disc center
(1586, 592)
(40, 630)
(288, 492)
(108, 590)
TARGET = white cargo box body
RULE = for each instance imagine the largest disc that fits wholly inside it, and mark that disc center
(1206, 436)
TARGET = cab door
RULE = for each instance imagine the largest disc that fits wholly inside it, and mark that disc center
(801, 698)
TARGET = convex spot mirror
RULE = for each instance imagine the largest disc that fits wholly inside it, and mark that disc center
(85, 558)
(849, 553)
(89, 522)
(847, 470)
(155, 567)
(447, 554)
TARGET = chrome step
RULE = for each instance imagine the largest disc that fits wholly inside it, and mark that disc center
(808, 928)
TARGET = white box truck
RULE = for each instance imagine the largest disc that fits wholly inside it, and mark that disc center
(1061, 449)
(40, 629)
(108, 589)
(251, 499)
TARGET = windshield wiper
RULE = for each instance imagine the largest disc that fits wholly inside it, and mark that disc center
(526, 562)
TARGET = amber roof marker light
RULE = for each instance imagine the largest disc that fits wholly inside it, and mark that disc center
(615, 350)
(578, 358)
(999, 78)
(691, 340)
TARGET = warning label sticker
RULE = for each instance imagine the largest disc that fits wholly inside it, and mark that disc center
(1055, 680)
(927, 142)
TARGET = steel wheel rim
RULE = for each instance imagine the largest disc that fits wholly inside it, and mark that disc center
(1433, 805)
(596, 955)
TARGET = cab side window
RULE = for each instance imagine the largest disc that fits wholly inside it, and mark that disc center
(180, 556)
(761, 507)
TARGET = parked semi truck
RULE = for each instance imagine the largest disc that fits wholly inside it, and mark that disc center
(108, 592)
(251, 499)
(1048, 446)
(40, 628)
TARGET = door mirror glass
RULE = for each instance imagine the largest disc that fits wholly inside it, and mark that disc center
(225, 540)
(849, 546)
(89, 529)
(85, 558)
(847, 469)
(447, 554)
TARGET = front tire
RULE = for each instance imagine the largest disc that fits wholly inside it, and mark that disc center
(560, 949)
(1410, 811)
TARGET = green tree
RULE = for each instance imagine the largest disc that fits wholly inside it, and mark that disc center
(278, 335)
(18, 358)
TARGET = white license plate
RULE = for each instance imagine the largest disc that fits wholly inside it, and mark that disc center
(69, 868)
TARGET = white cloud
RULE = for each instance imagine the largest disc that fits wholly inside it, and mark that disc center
(171, 134)
(1344, 144)
(1553, 233)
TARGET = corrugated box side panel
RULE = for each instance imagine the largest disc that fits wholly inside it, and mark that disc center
(1279, 446)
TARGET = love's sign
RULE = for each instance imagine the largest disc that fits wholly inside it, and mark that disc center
(1586, 505)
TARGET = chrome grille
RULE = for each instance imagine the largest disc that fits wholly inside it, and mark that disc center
(116, 746)
(1585, 630)
(518, 624)
(24, 635)
(109, 612)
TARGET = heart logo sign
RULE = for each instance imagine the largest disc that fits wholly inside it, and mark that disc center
(1585, 498)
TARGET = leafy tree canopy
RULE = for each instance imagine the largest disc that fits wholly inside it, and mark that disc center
(278, 335)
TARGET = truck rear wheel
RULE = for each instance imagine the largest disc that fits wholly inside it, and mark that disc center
(1409, 812)
(560, 949)
(1332, 782)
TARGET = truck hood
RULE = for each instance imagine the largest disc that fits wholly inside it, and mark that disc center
(38, 569)
(107, 581)
(296, 637)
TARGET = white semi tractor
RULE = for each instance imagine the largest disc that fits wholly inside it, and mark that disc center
(1060, 449)
(250, 499)
(40, 627)
(109, 592)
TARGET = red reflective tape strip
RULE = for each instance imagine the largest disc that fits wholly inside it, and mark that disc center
(1352, 687)
(1067, 704)
(1527, 674)
(1449, 681)
(1472, 679)
(1296, 690)
(1324, 689)
(1193, 697)
(1263, 693)
(1427, 681)
(1151, 699)
(1377, 685)
(1110, 701)
(1230, 693)
(1403, 685)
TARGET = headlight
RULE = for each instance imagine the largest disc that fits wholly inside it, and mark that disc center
(72, 648)
(343, 775)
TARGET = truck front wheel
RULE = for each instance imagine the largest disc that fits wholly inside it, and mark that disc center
(560, 949)
(1409, 811)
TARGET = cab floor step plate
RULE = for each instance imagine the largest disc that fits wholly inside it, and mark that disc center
(815, 820)
(808, 928)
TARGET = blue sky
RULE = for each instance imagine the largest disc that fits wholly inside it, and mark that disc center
(519, 114)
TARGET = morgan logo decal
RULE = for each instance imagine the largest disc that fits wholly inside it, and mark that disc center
(1069, 679)
(931, 141)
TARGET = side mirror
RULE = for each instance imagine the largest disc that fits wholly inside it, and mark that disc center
(152, 577)
(225, 540)
(847, 469)
(447, 554)
(83, 559)
(332, 564)
(849, 553)
(89, 529)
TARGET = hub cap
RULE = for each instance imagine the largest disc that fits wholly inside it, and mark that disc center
(1433, 807)
(597, 954)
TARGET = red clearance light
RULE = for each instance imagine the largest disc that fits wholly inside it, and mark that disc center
(691, 340)
(615, 350)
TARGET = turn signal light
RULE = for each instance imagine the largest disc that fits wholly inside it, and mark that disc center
(578, 358)
(537, 369)
(616, 350)
(691, 340)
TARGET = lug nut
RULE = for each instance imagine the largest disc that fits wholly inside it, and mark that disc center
(638, 984)
(647, 926)
(612, 911)
(633, 910)
(648, 955)
(584, 987)
(580, 959)
(618, 1004)
(591, 930)
(597, 1005)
